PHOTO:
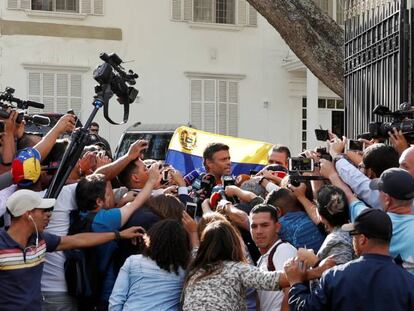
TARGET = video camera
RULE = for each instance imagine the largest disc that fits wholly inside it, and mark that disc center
(7, 96)
(300, 165)
(112, 74)
(402, 120)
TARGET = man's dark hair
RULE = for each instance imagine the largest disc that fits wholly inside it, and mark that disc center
(333, 205)
(56, 154)
(283, 149)
(169, 245)
(265, 208)
(27, 140)
(211, 149)
(380, 157)
(283, 199)
(124, 176)
(88, 190)
(94, 124)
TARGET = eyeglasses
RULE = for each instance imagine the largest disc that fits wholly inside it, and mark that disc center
(94, 130)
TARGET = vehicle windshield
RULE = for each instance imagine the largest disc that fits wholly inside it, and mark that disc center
(158, 144)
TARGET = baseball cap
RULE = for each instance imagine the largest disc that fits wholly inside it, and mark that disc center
(373, 223)
(396, 182)
(26, 167)
(25, 200)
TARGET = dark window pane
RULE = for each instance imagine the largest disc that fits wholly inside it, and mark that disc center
(338, 123)
(303, 113)
(304, 136)
(304, 146)
(303, 124)
(331, 104)
(321, 103)
(340, 104)
(304, 102)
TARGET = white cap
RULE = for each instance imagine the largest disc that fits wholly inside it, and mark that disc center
(24, 200)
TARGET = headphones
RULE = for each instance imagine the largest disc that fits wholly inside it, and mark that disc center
(30, 217)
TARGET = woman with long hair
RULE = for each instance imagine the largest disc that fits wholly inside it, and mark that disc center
(219, 275)
(154, 280)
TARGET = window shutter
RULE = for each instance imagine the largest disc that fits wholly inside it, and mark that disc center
(233, 108)
(252, 16)
(98, 7)
(241, 12)
(196, 109)
(62, 93)
(233, 119)
(13, 4)
(26, 4)
(85, 6)
(222, 108)
(34, 90)
(188, 10)
(48, 91)
(76, 93)
(176, 10)
(209, 112)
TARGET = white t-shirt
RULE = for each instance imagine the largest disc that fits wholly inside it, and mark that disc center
(272, 300)
(53, 277)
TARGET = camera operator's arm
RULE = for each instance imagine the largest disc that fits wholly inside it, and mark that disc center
(328, 171)
(65, 124)
(9, 145)
(309, 207)
(269, 175)
(182, 187)
(243, 195)
(154, 177)
(112, 169)
(398, 140)
(235, 215)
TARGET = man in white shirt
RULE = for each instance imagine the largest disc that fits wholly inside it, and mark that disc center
(264, 227)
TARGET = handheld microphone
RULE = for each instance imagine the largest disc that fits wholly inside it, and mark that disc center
(216, 197)
(38, 120)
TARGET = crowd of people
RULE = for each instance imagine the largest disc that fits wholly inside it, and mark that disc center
(269, 240)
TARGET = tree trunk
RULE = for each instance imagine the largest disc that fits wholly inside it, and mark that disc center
(316, 39)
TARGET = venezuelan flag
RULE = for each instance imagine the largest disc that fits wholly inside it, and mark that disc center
(185, 151)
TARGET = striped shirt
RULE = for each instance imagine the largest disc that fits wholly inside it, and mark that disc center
(21, 270)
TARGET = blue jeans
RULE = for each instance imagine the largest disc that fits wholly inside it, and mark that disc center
(58, 301)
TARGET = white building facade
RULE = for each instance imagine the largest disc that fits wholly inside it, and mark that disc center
(215, 64)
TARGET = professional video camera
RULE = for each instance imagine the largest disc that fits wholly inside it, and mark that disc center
(113, 79)
(402, 119)
(15, 103)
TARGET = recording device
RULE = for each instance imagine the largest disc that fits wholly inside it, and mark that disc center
(402, 119)
(354, 145)
(205, 184)
(191, 209)
(111, 72)
(7, 95)
(323, 153)
(253, 172)
(322, 135)
(301, 164)
(228, 180)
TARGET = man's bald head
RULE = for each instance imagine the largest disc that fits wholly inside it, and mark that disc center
(407, 160)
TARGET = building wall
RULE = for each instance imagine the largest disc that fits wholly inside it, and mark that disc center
(161, 51)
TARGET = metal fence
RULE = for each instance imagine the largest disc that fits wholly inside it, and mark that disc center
(376, 59)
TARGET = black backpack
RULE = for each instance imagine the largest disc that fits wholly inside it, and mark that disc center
(83, 277)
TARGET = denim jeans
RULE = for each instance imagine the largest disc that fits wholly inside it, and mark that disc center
(58, 301)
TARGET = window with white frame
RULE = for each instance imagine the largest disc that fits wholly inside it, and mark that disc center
(214, 105)
(58, 91)
(56, 5)
(230, 12)
(85, 7)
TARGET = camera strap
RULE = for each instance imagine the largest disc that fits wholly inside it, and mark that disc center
(126, 113)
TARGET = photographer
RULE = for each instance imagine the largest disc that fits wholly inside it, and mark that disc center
(8, 144)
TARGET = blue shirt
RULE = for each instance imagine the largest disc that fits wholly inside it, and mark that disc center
(143, 285)
(107, 220)
(401, 245)
(371, 282)
(21, 270)
(300, 231)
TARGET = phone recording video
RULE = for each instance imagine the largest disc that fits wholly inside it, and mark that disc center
(321, 135)
(354, 145)
(191, 209)
(301, 164)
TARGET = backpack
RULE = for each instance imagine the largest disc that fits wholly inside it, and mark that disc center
(270, 265)
(82, 275)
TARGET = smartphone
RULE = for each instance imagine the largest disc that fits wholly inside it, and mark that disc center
(253, 172)
(354, 145)
(301, 164)
(191, 209)
(321, 135)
